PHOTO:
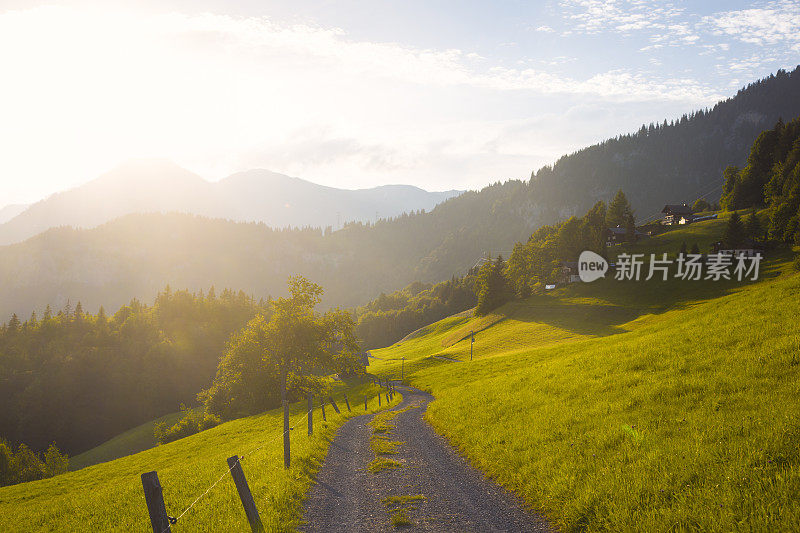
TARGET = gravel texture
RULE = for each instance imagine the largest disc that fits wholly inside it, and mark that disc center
(347, 497)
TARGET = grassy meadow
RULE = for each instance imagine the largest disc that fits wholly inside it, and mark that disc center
(109, 496)
(132, 441)
(649, 406)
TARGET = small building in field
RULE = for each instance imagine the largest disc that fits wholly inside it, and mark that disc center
(749, 248)
(677, 214)
(619, 235)
(569, 272)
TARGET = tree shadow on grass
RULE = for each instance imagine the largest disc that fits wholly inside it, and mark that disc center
(602, 308)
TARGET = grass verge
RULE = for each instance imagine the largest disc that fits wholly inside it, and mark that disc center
(109, 496)
(684, 417)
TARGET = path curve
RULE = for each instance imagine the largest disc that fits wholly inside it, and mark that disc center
(346, 497)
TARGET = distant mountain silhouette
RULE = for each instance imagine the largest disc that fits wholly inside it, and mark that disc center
(10, 211)
(153, 186)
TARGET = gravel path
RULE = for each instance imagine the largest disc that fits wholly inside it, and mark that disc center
(347, 497)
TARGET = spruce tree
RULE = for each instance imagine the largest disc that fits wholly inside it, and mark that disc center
(619, 211)
(493, 287)
(753, 227)
(734, 233)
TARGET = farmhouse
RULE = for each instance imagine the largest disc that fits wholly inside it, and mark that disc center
(677, 214)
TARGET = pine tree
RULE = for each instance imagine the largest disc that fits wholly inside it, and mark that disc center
(734, 233)
(630, 227)
(619, 211)
(493, 287)
(13, 325)
(752, 226)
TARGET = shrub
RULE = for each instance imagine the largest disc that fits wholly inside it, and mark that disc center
(26, 465)
(192, 422)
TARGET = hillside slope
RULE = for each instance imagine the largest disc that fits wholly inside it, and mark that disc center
(137, 255)
(109, 496)
(670, 163)
(677, 413)
(10, 211)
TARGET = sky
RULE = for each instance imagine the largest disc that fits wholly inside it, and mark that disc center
(438, 94)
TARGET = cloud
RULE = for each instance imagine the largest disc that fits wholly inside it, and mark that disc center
(773, 23)
(219, 93)
(620, 16)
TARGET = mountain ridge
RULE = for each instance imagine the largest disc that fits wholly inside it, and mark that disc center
(257, 195)
(138, 255)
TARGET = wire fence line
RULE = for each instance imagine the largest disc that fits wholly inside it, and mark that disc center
(228, 471)
(170, 521)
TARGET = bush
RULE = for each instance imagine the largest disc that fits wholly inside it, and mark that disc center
(191, 423)
(26, 465)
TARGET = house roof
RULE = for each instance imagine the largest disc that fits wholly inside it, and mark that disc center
(677, 209)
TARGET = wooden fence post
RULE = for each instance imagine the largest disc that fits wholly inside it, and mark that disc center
(347, 403)
(244, 494)
(365, 402)
(333, 403)
(379, 398)
(286, 441)
(154, 498)
(388, 399)
(310, 414)
(322, 404)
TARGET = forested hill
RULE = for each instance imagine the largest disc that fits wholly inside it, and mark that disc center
(135, 256)
(673, 161)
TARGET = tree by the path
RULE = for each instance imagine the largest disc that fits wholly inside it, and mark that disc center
(293, 345)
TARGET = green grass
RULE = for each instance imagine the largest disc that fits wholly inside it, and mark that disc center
(379, 464)
(382, 425)
(132, 441)
(399, 518)
(670, 406)
(109, 496)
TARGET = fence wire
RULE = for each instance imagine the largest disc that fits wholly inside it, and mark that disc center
(175, 520)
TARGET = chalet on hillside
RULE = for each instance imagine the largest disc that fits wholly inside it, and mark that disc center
(677, 214)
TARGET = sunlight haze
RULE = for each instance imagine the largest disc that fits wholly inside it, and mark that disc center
(355, 95)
